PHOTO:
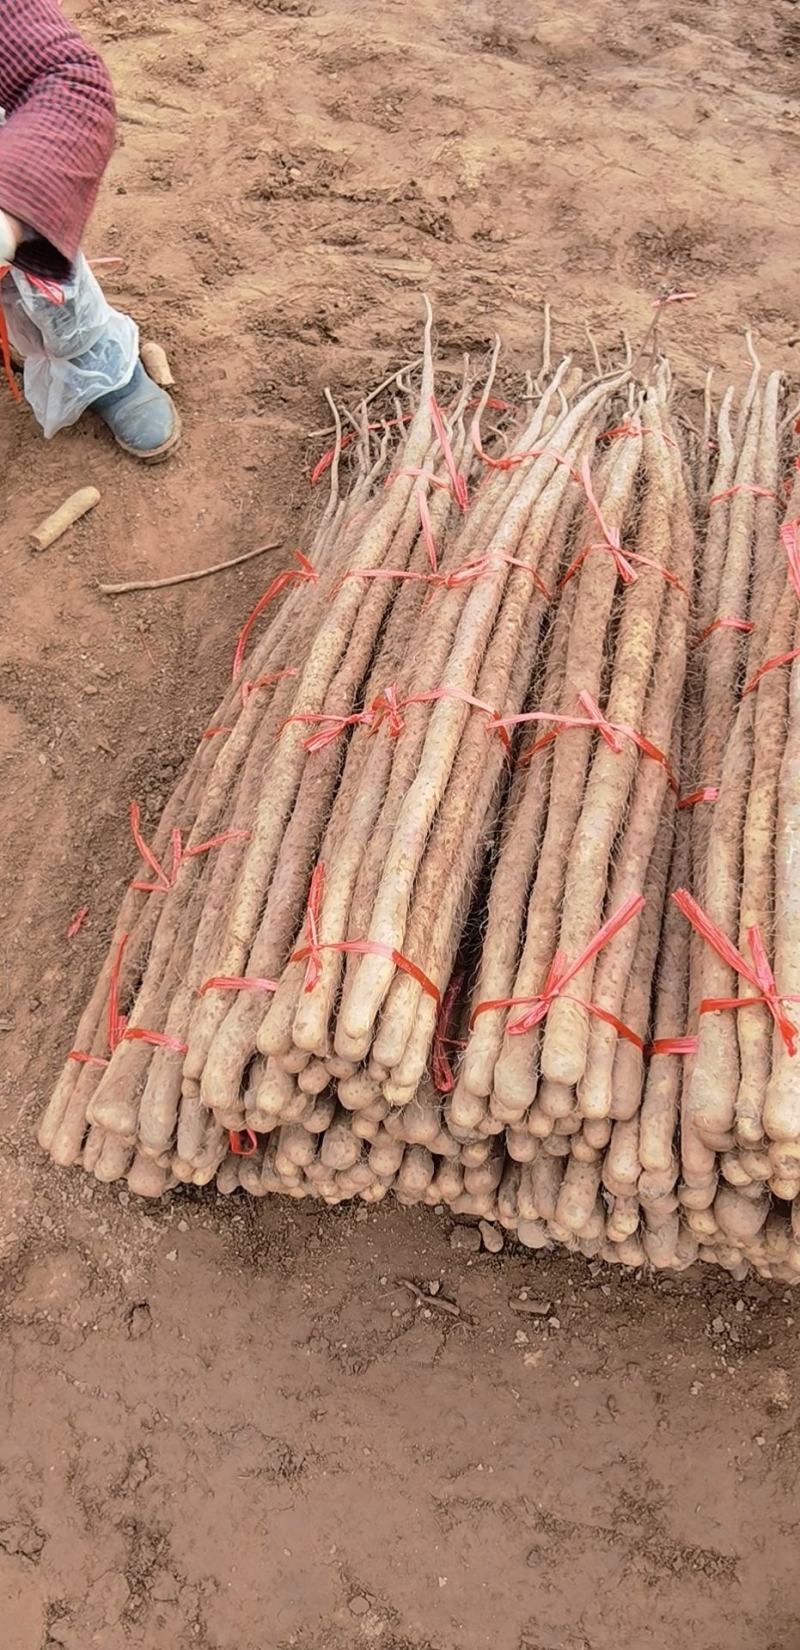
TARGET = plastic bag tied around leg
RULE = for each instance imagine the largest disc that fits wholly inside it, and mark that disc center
(75, 347)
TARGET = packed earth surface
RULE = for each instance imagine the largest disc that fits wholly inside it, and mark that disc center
(229, 1426)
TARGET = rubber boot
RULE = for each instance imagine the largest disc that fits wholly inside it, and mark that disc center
(142, 418)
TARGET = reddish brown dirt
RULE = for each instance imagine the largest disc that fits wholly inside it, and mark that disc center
(228, 1427)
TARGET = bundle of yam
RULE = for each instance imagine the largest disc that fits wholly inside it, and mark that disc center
(478, 885)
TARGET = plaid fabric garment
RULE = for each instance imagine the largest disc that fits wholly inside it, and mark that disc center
(57, 134)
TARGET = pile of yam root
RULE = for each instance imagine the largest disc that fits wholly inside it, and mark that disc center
(482, 884)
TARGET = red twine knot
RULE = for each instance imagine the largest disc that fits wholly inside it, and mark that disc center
(757, 972)
(559, 975)
(165, 880)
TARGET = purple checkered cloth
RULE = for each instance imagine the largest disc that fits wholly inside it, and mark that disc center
(57, 134)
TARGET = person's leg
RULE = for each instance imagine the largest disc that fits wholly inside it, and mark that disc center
(78, 352)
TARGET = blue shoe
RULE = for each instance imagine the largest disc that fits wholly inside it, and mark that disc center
(142, 418)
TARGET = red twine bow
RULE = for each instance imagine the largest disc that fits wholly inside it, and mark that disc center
(611, 543)
(332, 726)
(611, 732)
(388, 707)
(757, 972)
(311, 952)
(165, 880)
(468, 573)
(559, 975)
(304, 573)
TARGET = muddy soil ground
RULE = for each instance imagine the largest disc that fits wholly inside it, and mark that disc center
(228, 1426)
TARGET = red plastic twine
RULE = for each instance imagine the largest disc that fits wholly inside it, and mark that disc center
(706, 793)
(611, 732)
(77, 922)
(624, 429)
(304, 573)
(115, 1020)
(559, 975)
(118, 1032)
(770, 664)
(743, 625)
(672, 1045)
(159, 1039)
(5, 355)
(324, 463)
(741, 487)
(48, 289)
(635, 430)
(265, 681)
(757, 972)
(457, 481)
(512, 461)
(248, 688)
(164, 880)
(470, 571)
(236, 982)
(332, 727)
(311, 952)
(235, 1139)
